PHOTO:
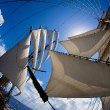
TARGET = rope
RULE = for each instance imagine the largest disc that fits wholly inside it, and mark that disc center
(93, 7)
(86, 58)
(86, 7)
(13, 11)
(82, 7)
(51, 105)
(68, 19)
(40, 1)
(100, 6)
(27, 18)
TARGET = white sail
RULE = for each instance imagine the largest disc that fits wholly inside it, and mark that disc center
(85, 34)
(89, 44)
(74, 77)
(35, 40)
(56, 40)
(13, 63)
(43, 37)
(104, 51)
(50, 34)
(70, 47)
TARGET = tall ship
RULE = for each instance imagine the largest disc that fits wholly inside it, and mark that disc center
(74, 74)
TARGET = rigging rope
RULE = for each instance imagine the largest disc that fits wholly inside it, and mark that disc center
(83, 8)
(13, 11)
(10, 1)
(100, 6)
(93, 7)
(28, 17)
(25, 19)
(97, 5)
(86, 8)
(86, 58)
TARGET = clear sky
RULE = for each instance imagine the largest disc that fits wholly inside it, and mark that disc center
(69, 17)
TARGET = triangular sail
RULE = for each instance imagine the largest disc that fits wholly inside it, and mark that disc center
(88, 44)
(73, 77)
(13, 63)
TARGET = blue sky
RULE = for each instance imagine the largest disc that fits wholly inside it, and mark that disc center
(69, 17)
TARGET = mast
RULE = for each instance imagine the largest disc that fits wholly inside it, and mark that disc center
(104, 53)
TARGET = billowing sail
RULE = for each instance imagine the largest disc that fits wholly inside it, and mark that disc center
(85, 34)
(50, 34)
(75, 77)
(35, 40)
(13, 63)
(88, 43)
(104, 52)
(70, 47)
(43, 38)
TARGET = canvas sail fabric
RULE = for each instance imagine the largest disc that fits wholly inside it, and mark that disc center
(56, 40)
(88, 44)
(13, 63)
(35, 40)
(43, 38)
(50, 34)
(85, 34)
(104, 51)
(74, 77)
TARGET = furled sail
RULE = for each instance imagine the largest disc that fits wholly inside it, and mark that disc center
(43, 38)
(13, 63)
(88, 43)
(73, 77)
(35, 40)
(50, 34)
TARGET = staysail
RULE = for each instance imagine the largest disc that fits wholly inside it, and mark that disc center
(73, 77)
(88, 43)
